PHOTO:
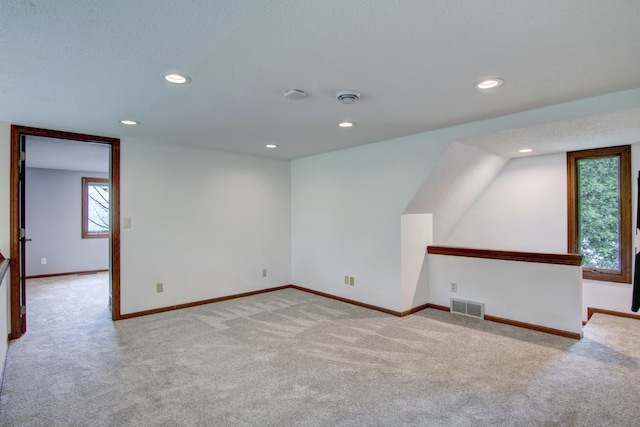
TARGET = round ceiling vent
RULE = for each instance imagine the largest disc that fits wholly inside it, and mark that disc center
(347, 96)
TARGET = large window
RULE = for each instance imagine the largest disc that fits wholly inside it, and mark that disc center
(95, 207)
(599, 201)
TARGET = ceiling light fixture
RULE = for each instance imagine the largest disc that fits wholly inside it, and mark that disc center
(525, 150)
(489, 83)
(129, 122)
(177, 78)
(346, 124)
(271, 146)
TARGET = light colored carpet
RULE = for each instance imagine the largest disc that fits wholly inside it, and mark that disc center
(290, 358)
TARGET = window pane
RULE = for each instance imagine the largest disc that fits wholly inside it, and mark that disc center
(599, 213)
(98, 208)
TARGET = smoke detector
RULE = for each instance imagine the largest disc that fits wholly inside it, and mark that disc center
(347, 96)
(294, 94)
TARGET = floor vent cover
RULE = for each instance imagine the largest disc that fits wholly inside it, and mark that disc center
(467, 308)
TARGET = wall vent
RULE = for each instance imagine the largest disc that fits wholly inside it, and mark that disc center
(467, 308)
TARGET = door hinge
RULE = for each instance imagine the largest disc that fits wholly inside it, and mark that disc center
(22, 233)
(23, 156)
(23, 309)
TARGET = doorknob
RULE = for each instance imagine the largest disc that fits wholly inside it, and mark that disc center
(28, 240)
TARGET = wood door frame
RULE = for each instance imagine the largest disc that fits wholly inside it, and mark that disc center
(114, 144)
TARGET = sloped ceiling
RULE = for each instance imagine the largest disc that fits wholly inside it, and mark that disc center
(621, 127)
(84, 65)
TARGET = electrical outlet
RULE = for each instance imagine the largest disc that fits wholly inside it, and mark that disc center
(352, 281)
(159, 287)
(454, 287)
(43, 261)
(264, 273)
(346, 280)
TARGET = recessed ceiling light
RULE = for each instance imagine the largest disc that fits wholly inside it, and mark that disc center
(346, 124)
(525, 150)
(271, 146)
(489, 83)
(177, 78)
(129, 122)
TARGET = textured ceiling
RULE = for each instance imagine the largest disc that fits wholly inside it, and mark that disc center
(84, 65)
(599, 130)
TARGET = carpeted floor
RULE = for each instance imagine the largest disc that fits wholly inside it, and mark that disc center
(290, 358)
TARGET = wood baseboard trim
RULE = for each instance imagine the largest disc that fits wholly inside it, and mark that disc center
(524, 325)
(414, 310)
(71, 273)
(196, 303)
(553, 331)
(593, 310)
(439, 307)
(348, 301)
(352, 302)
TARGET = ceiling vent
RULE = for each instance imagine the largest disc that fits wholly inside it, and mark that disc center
(294, 94)
(347, 96)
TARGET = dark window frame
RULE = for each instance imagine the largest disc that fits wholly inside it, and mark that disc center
(624, 208)
(86, 234)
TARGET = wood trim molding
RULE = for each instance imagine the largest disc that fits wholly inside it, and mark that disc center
(197, 303)
(537, 257)
(14, 233)
(247, 294)
(524, 325)
(593, 310)
(625, 207)
(348, 301)
(533, 327)
(356, 303)
(439, 307)
(414, 310)
(114, 143)
(361, 304)
(70, 273)
(115, 229)
(86, 234)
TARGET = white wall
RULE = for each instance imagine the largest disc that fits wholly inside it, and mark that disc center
(346, 205)
(346, 216)
(5, 164)
(540, 294)
(205, 223)
(459, 178)
(416, 235)
(54, 223)
(524, 209)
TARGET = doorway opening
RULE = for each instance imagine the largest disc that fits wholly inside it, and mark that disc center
(19, 153)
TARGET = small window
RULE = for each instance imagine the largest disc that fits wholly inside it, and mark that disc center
(95, 207)
(599, 202)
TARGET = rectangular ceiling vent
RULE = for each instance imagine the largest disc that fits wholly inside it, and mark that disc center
(467, 308)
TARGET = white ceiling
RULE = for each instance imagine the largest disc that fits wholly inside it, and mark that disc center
(84, 65)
